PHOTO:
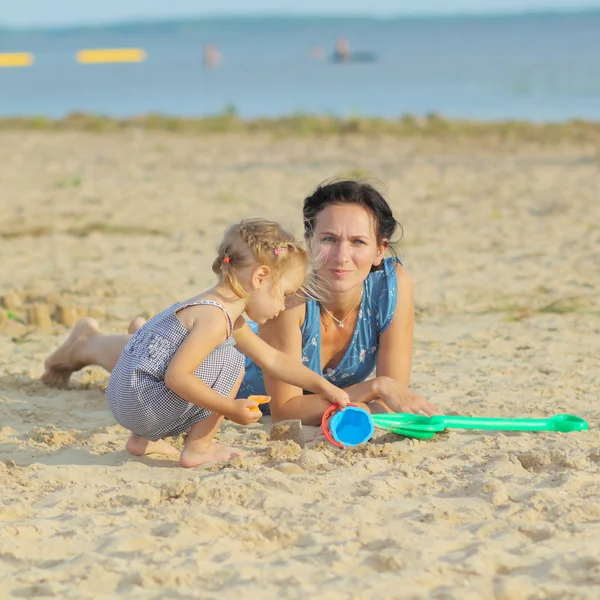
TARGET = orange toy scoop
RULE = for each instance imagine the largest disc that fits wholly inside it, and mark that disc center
(259, 400)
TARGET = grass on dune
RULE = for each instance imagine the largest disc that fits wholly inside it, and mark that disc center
(295, 125)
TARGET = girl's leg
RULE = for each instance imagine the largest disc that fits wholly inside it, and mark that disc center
(86, 345)
(139, 446)
(200, 446)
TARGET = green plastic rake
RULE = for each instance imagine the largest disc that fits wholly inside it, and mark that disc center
(424, 428)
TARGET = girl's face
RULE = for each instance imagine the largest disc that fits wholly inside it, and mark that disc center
(268, 298)
(344, 239)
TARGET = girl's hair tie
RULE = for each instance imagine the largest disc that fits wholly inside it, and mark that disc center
(227, 260)
(279, 250)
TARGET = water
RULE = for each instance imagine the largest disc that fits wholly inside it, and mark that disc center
(536, 67)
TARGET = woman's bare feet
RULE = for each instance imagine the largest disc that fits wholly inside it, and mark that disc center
(139, 446)
(70, 356)
(136, 324)
(86, 345)
(198, 455)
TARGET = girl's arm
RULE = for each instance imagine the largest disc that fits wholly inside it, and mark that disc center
(287, 400)
(209, 330)
(394, 357)
(275, 363)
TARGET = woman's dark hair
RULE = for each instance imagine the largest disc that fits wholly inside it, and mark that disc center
(353, 192)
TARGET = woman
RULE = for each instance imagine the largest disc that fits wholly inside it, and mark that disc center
(366, 323)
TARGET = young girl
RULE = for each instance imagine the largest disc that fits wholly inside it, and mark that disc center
(181, 371)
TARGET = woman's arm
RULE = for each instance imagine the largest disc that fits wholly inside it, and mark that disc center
(287, 401)
(394, 357)
(275, 363)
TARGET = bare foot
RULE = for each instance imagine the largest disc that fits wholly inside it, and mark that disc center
(68, 357)
(136, 324)
(139, 446)
(192, 457)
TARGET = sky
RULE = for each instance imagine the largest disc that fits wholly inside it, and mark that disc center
(40, 13)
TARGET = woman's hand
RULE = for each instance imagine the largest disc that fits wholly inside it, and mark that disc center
(243, 411)
(335, 395)
(400, 398)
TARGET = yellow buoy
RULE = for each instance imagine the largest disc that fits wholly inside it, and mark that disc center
(111, 55)
(16, 59)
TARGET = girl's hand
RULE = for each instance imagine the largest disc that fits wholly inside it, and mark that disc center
(335, 395)
(401, 398)
(244, 411)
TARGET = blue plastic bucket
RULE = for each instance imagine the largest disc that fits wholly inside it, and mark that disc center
(351, 426)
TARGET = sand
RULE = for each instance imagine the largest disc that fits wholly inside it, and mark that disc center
(503, 243)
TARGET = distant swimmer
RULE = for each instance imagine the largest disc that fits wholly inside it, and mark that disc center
(342, 53)
(317, 52)
(342, 50)
(212, 57)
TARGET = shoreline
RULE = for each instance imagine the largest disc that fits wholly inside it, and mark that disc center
(430, 126)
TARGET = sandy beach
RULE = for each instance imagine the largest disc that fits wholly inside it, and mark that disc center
(503, 243)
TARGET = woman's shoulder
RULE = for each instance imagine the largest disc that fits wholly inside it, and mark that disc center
(383, 291)
(382, 278)
(391, 264)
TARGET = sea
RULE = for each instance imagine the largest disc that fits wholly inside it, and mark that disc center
(534, 67)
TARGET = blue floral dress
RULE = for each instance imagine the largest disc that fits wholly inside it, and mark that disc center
(377, 307)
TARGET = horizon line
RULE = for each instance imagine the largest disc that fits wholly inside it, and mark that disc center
(427, 15)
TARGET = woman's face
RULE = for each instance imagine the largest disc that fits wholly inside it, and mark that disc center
(344, 239)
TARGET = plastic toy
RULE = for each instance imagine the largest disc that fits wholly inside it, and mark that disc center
(259, 400)
(348, 427)
(424, 428)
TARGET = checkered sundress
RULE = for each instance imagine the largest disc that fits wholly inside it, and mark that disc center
(137, 394)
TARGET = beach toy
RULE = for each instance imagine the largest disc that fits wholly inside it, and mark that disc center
(348, 427)
(424, 428)
(259, 400)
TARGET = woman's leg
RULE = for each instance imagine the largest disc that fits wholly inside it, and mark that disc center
(200, 446)
(86, 345)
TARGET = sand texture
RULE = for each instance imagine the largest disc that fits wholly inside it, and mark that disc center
(503, 242)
